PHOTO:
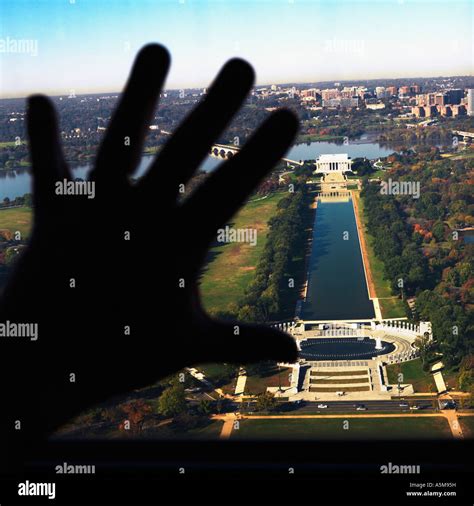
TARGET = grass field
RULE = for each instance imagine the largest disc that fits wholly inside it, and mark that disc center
(412, 373)
(211, 431)
(467, 426)
(17, 218)
(391, 307)
(333, 428)
(258, 384)
(232, 265)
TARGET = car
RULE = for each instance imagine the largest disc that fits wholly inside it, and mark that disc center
(361, 407)
(322, 406)
(192, 390)
(340, 393)
(403, 405)
(415, 407)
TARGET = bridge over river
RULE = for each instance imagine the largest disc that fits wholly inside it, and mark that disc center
(224, 151)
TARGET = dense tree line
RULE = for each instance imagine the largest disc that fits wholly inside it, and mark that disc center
(404, 265)
(417, 240)
(274, 283)
(25, 200)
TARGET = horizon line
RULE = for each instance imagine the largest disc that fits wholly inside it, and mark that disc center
(54, 93)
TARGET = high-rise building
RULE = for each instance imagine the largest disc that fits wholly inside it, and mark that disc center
(470, 102)
(454, 96)
(418, 111)
(404, 91)
(381, 92)
(458, 110)
(393, 90)
(430, 110)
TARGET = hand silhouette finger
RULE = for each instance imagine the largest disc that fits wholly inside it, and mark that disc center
(48, 165)
(243, 343)
(231, 184)
(122, 146)
(192, 141)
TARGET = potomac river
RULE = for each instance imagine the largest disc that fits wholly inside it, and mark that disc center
(15, 183)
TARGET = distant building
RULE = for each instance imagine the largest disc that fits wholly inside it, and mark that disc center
(375, 107)
(409, 91)
(418, 111)
(440, 99)
(445, 110)
(430, 111)
(404, 91)
(454, 96)
(329, 94)
(341, 102)
(470, 102)
(392, 90)
(381, 92)
(313, 93)
(458, 110)
(333, 163)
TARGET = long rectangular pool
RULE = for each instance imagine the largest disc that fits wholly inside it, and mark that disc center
(337, 288)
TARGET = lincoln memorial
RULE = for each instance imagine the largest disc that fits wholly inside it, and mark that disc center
(333, 163)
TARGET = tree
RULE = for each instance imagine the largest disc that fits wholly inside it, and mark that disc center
(265, 402)
(11, 255)
(423, 345)
(438, 231)
(205, 407)
(172, 401)
(136, 413)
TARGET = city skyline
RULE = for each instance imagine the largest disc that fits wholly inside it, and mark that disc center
(89, 48)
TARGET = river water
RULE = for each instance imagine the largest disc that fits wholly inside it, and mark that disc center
(15, 183)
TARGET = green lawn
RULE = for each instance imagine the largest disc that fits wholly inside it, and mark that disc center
(467, 426)
(211, 431)
(410, 427)
(412, 373)
(258, 384)
(18, 218)
(390, 307)
(233, 265)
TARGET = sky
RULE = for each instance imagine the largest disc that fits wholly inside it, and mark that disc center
(54, 46)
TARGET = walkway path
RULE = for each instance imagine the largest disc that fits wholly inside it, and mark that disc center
(227, 427)
(363, 247)
(452, 418)
(241, 381)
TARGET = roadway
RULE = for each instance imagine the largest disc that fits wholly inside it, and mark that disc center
(343, 407)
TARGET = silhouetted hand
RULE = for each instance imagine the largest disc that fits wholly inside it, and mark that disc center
(103, 277)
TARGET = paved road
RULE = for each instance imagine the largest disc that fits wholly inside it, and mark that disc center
(350, 406)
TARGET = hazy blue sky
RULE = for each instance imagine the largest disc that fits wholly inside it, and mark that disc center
(89, 45)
